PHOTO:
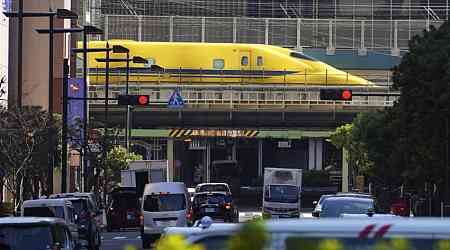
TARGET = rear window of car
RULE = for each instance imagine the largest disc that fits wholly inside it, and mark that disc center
(213, 188)
(26, 237)
(336, 207)
(211, 197)
(44, 212)
(164, 202)
(125, 201)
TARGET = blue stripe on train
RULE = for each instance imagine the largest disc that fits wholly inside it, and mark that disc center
(136, 70)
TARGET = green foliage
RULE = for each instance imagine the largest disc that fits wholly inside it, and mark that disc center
(314, 178)
(117, 160)
(252, 236)
(175, 242)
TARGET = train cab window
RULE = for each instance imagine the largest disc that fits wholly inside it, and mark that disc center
(150, 62)
(218, 63)
(259, 61)
(244, 61)
(302, 56)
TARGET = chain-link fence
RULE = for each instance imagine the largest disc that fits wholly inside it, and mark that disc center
(298, 33)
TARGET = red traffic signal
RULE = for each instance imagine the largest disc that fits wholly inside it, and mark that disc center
(134, 100)
(336, 94)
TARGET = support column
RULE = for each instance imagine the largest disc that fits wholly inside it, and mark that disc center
(395, 49)
(203, 29)
(171, 29)
(208, 161)
(319, 154)
(234, 29)
(267, 32)
(170, 158)
(344, 170)
(260, 157)
(139, 19)
(311, 154)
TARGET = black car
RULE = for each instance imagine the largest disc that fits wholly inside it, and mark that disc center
(338, 205)
(86, 221)
(123, 210)
(217, 205)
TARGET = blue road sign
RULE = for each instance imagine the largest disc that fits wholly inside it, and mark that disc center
(176, 100)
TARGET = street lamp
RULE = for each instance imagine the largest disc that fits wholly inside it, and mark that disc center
(134, 59)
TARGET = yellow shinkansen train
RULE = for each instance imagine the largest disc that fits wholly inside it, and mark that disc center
(216, 63)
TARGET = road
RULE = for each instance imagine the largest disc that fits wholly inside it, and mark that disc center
(129, 240)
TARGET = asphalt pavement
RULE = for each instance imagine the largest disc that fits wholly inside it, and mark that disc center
(123, 240)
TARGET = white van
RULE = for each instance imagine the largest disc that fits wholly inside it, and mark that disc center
(164, 204)
(59, 208)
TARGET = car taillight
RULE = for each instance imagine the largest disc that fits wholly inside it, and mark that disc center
(227, 205)
(189, 215)
(141, 220)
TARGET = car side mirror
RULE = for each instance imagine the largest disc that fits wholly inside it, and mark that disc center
(316, 214)
(315, 203)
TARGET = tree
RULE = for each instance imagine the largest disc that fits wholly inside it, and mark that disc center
(421, 114)
(23, 132)
(118, 159)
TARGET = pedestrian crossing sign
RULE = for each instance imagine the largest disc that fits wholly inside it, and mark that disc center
(176, 100)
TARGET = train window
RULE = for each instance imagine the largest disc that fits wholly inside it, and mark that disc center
(259, 61)
(244, 61)
(219, 63)
(302, 56)
(150, 62)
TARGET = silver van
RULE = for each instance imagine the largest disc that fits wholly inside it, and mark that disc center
(164, 204)
(56, 208)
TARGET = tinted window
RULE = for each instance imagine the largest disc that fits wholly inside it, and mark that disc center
(79, 205)
(336, 207)
(259, 61)
(302, 56)
(44, 212)
(244, 61)
(218, 63)
(166, 202)
(30, 238)
(214, 198)
(213, 188)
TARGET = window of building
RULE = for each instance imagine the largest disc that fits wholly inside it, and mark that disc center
(259, 61)
(218, 63)
(244, 61)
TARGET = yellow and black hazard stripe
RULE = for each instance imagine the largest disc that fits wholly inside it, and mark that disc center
(251, 133)
(178, 133)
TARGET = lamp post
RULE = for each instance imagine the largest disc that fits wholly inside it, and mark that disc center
(134, 59)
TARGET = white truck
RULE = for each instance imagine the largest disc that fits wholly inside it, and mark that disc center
(143, 172)
(282, 193)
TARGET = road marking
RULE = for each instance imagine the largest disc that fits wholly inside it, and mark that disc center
(119, 238)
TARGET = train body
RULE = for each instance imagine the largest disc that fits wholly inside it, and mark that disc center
(216, 63)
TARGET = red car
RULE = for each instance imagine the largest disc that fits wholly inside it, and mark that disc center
(124, 210)
(400, 208)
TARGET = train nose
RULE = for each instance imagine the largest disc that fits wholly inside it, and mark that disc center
(344, 78)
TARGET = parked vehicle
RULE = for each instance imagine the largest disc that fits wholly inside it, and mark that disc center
(318, 205)
(164, 204)
(140, 173)
(31, 233)
(216, 204)
(56, 208)
(335, 206)
(282, 193)
(423, 234)
(212, 187)
(93, 202)
(88, 217)
(124, 209)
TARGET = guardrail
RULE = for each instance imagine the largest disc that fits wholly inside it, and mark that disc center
(249, 97)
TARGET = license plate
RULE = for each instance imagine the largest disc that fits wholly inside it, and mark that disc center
(210, 210)
(130, 217)
(163, 223)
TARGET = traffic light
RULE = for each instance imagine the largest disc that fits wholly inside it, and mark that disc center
(134, 100)
(336, 94)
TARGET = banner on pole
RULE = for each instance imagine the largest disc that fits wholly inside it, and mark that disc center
(75, 116)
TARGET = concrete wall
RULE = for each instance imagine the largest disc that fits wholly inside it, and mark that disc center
(4, 30)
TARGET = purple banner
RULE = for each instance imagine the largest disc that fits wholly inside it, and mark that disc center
(75, 115)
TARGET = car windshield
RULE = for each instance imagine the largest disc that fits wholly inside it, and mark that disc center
(213, 188)
(302, 56)
(293, 242)
(44, 212)
(26, 237)
(281, 193)
(79, 206)
(164, 202)
(336, 207)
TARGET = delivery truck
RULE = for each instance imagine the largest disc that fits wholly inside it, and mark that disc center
(282, 193)
(140, 173)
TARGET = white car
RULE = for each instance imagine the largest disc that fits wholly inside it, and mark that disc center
(423, 234)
